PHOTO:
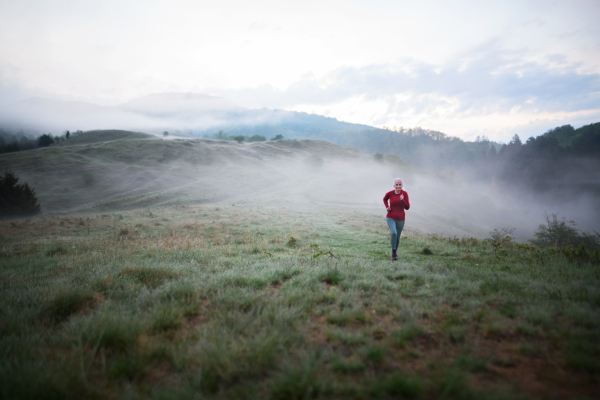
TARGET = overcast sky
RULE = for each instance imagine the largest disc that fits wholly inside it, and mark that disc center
(465, 68)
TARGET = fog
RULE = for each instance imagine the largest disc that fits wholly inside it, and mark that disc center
(301, 176)
(183, 112)
(469, 201)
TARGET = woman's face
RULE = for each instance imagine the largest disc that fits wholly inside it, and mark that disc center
(398, 186)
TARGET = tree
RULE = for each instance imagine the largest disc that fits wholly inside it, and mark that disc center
(257, 138)
(516, 140)
(239, 138)
(16, 199)
(556, 232)
(45, 140)
(165, 133)
(277, 137)
(221, 135)
(67, 134)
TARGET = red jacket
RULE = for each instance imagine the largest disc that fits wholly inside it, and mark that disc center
(398, 206)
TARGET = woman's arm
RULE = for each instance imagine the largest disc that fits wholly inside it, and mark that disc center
(385, 201)
(405, 201)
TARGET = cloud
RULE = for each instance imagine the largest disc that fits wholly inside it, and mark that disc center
(485, 81)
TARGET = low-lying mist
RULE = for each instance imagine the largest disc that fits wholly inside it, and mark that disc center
(308, 175)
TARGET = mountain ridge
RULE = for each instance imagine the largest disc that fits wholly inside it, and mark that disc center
(189, 113)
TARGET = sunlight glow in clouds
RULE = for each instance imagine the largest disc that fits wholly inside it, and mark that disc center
(464, 68)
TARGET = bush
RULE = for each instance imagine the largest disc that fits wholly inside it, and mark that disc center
(378, 157)
(16, 199)
(502, 235)
(45, 140)
(277, 137)
(239, 138)
(396, 160)
(558, 232)
(314, 162)
(257, 138)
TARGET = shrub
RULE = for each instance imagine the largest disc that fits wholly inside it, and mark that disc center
(45, 140)
(239, 138)
(396, 160)
(165, 133)
(378, 157)
(557, 233)
(277, 137)
(501, 235)
(16, 199)
(314, 162)
(257, 138)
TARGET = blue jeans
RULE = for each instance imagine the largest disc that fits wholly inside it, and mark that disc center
(396, 229)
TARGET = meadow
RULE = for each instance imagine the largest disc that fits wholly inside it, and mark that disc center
(262, 301)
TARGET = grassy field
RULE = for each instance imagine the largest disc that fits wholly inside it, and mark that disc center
(220, 302)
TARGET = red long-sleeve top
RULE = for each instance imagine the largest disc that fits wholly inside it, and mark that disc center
(398, 206)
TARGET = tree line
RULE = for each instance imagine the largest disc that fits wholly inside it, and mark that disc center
(10, 143)
(221, 135)
(563, 160)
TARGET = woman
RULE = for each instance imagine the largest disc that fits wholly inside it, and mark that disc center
(398, 202)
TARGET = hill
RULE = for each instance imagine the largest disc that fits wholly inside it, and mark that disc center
(103, 136)
(186, 114)
(133, 169)
(108, 171)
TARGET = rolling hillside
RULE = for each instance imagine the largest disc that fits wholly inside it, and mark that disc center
(111, 170)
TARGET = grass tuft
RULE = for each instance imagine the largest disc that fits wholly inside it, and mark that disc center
(166, 319)
(151, 277)
(298, 381)
(67, 303)
(397, 385)
(332, 276)
(406, 335)
(56, 249)
(427, 251)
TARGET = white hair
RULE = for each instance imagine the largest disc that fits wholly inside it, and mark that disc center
(398, 179)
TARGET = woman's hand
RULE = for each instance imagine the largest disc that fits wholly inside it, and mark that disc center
(401, 197)
(389, 208)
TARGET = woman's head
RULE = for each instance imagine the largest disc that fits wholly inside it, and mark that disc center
(398, 184)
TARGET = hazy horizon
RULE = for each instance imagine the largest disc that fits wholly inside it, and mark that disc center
(280, 175)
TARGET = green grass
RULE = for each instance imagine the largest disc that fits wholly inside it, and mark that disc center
(195, 302)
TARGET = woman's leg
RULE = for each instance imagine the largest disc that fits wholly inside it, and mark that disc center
(399, 227)
(394, 233)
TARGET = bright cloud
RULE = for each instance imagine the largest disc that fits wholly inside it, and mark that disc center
(463, 67)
